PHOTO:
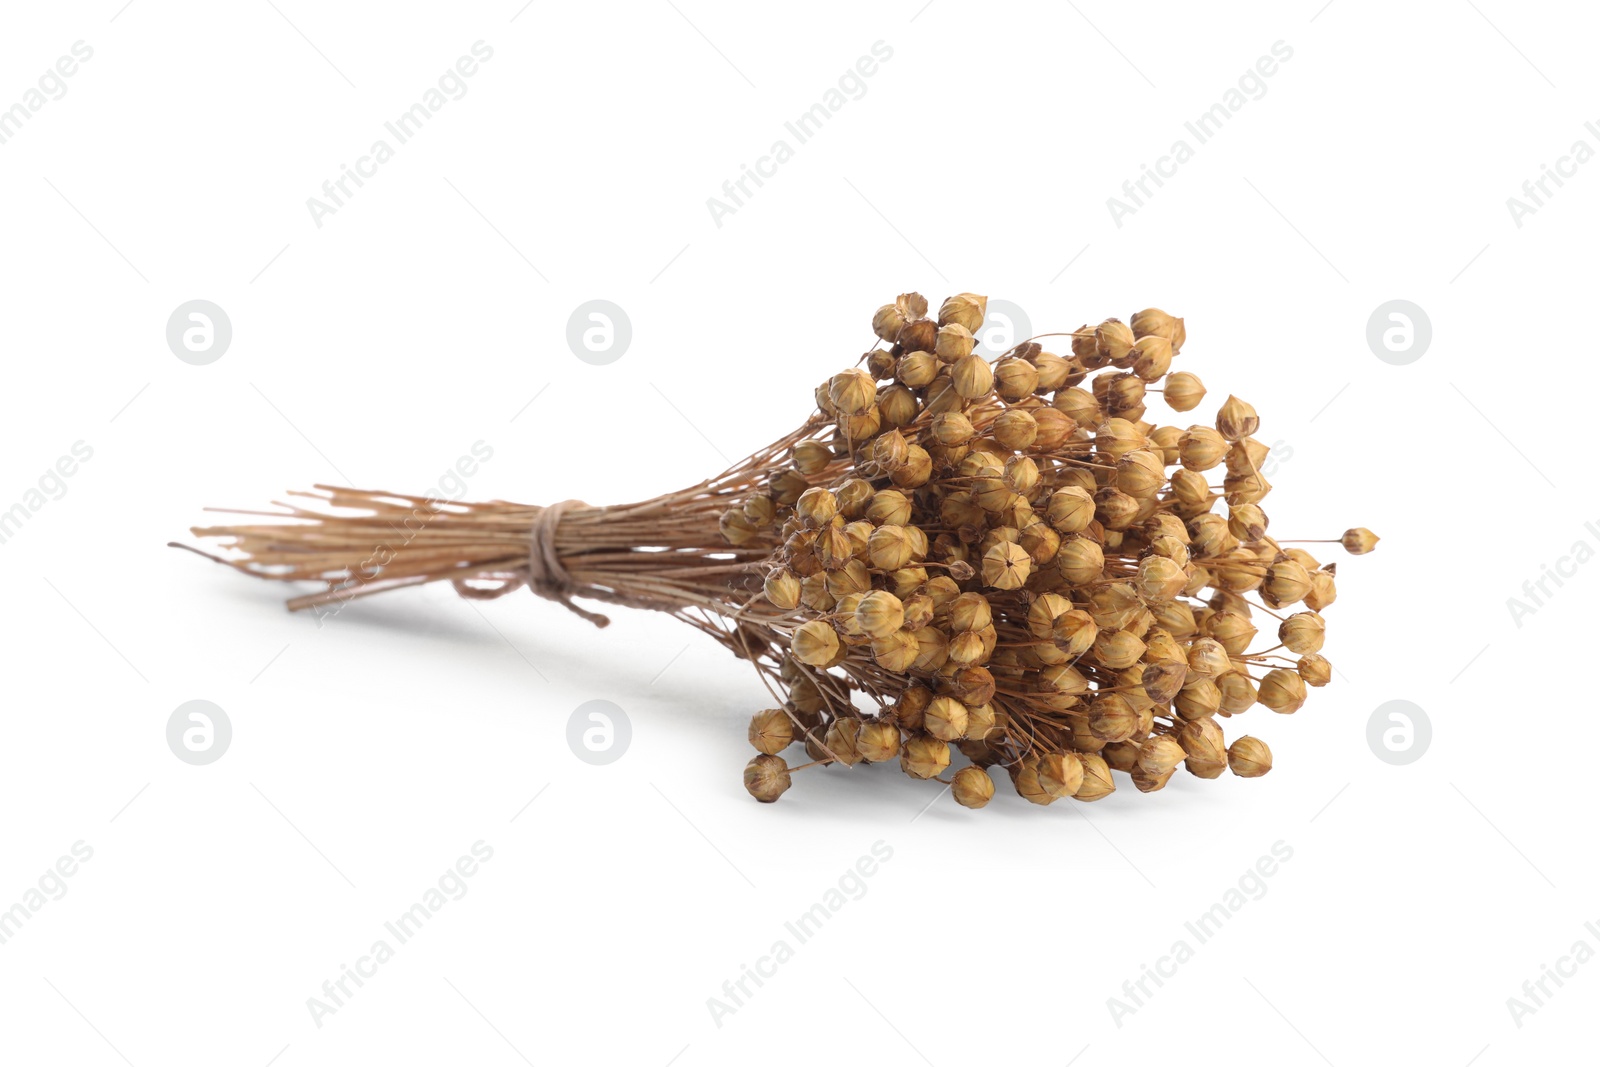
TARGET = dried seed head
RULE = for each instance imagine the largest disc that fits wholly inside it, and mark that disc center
(1283, 691)
(760, 510)
(1118, 649)
(1237, 690)
(816, 507)
(972, 377)
(1015, 429)
(1070, 510)
(1116, 437)
(1006, 566)
(1201, 448)
(735, 528)
(1237, 419)
(887, 322)
(1232, 630)
(1204, 748)
(1015, 379)
(889, 507)
(1359, 541)
(889, 548)
(879, 741)
(766, 778)
(1249, 757)
(953, 342)
(1315, 669)
(1113, 341)
(918, 335)
(1060, 774)
(969, 611)
(1286, 583)
(815, 643)
(908, 709)
(924, 756)
(972, 787)
(771, 731)
(782, 589)
(1160, 754)
(981, 720)
(964, 309)
(1323, 592)
(945, 718)
(1183, 391)
(840, 741)
(879, 613)
(1097, 781)
(1112, 718)
(1207, 658)
(1303, 633)
(1155, 322)
(852, 392)
(1152, 357)
(1159, 579)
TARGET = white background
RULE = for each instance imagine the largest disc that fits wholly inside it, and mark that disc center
(430, 313)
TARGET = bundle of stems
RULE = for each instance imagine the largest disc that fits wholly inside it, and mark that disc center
(982, 553)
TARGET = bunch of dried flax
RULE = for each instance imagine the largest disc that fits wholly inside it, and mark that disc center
(990, 554)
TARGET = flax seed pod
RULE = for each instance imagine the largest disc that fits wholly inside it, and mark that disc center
(981, 722)
(1201, 448)
(1152, 357)
(1249, 757)
(972, 787)
(878, 741)
(1080, 561)
(1283, 691)
(1323, 591)
(771, 731)
(887, 322)
(1015, 429)
(1204, 747)
(1070, 510)
(1159, 754)
(1113, 341)
(945, 718)
(1359, 541)
(814, 643)
(972, 377)
(889, 548)
(1015, 379)
(917, 370)
(1315, 670)
(1302, 633)
(1097, 781)
(1236, 419)
(852, 392)
(766, 778)
(782, 590)
(924, 756)
(1183, 391)
(1286, 583)
(965, 310)
(918, 335)
(1238, 693)
(1232, 631)
(840, 741)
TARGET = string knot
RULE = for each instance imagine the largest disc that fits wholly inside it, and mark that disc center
(547, 576)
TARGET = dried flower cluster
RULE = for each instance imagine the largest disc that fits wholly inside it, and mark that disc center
(1005, 559)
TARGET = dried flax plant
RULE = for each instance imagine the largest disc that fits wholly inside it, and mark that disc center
(1002, 556)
